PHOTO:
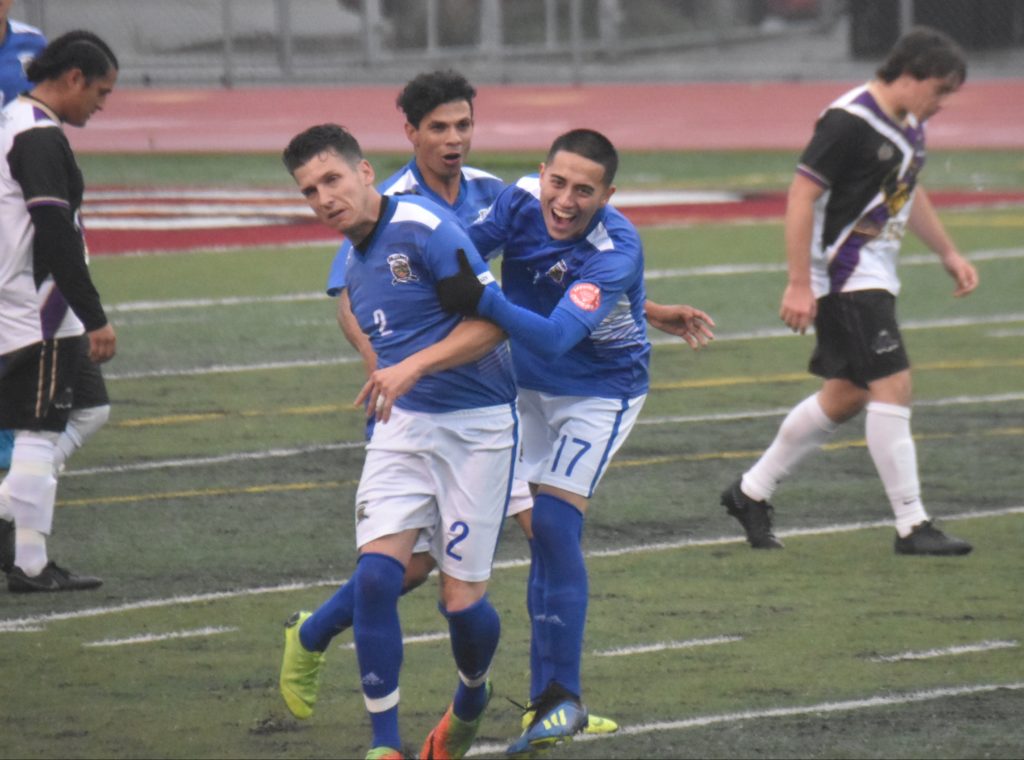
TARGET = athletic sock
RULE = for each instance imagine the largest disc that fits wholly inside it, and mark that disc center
(474, 635)
(31, 493)
(377, 583)
(535, 608)
(804, 430)
(887, 429)
(331, 618)
(81, 425)
(557, 531)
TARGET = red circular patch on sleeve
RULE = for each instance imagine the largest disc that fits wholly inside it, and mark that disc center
(586, 295)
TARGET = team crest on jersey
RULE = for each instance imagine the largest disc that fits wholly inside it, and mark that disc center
(558, 271)
(886, 151)
(401, 271)
(586, 295)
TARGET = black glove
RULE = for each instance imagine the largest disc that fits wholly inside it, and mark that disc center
(460, 293)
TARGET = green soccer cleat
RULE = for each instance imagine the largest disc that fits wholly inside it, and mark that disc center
(384, 753)
(452, 737)
(595, 723)
(300, 670)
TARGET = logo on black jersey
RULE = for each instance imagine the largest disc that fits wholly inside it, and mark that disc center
(401, 271)
(886, 151)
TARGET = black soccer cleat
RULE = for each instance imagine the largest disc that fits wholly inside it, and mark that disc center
(6, 546)
(754, 516)
(53, 578)
(926, 539)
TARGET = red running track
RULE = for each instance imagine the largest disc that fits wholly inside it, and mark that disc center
(708, 116)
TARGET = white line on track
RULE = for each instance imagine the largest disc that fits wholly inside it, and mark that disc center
(772, 332)
(662, 646)
(148, 638)
(18, 624)
(998, 398)
(981, 646)
(887, 700)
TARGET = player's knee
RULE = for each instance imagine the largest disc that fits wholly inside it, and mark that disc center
(87, 421)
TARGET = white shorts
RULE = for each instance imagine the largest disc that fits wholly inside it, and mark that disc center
(568, 441)
(521, 498)
(447, 475)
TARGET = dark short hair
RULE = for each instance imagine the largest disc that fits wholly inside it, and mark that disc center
(79, 49)
(427, 91)
(924, 53)
(322, 138)
(589, 144)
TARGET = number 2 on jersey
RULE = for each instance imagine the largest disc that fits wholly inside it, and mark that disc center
(381, 320)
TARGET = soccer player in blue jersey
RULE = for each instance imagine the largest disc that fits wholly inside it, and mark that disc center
(20, 43)
(573, 308)
(439, 463)
(856, 190)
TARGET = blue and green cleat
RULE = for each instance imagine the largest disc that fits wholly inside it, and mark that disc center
(452, 737)
(558, 716)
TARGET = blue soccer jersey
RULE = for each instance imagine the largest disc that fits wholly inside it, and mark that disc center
(392, 279)
(21, 45)
(594, 284)
(477, 192)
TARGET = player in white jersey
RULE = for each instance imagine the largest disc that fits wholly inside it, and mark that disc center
(440, 458)
(573, 307)
(856, 190)
(47, 295)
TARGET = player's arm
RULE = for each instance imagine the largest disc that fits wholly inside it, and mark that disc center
(799, 307)
(469, 340)
(356, 337)
(686, 322)
(925, 223)
(39, 161)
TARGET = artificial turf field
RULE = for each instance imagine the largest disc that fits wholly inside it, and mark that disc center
(218, 500)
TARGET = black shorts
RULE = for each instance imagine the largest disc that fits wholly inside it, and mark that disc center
(37, 385)
(858, 338)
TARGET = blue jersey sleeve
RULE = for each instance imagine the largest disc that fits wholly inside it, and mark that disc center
(441, 249)
(491, 232)
(336, 276)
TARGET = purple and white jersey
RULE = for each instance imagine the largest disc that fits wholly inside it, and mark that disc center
(392, 283)
(477, 192)
(868, 165)
(37, 169)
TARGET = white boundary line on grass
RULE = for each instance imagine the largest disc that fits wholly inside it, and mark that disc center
(779, 712)
(662, 646)
(981, 646)
(148, 638)
(11, 625)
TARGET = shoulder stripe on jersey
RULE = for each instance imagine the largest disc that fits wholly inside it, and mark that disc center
(412, 212)
(23, 28)
(531, 184)
(884, 127)
(403, 184)
(470, 174)
(600, 239)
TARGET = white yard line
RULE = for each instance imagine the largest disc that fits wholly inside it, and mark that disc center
(981, 646)
(886, 700)
(662, 646)
(20, 624)
(148, 638)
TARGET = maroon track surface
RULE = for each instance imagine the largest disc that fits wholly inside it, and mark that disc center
(709, 116)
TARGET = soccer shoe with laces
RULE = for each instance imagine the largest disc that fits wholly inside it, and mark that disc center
(384, 753)
(452, 737)
(558, 717)
(925, 538)
(6, 545)
(300, 670)
(754, 516)
(52, 578)
(595, 723)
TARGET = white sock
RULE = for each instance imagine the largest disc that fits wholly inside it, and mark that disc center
(892, 448)
(81, 425)
(32, 492)
(5, 502)
(805, 428)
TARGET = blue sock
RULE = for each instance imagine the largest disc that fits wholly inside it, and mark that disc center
(557, 530)
(474, 635)
(331, 618)
(377, 583)
(535, 608)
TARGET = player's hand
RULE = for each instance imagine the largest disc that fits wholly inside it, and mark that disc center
(799, 307)
(102, 344)
(460, 293)
(385, 386)
(963, 273)
(690, 324)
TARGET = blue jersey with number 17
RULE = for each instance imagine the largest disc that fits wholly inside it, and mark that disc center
(392, 283)
(598, 278)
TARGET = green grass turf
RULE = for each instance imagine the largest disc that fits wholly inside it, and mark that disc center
(810, 617)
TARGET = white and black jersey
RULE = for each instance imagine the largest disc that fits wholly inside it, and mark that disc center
(45, 288)
(868, 165)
